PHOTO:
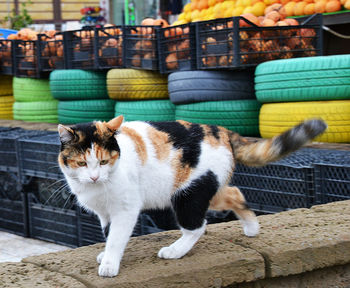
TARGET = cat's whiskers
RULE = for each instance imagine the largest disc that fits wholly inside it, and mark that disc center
(55, 193)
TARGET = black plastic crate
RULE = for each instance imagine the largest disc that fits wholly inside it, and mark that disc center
(26, 59)
(80, 46)
(90, 231)
(39, 155)
(13, 205)
(8, 147)
(52, 224)
(238, 43)
(141, 51)
(283, 185)
(177, 48)
(6, 57)
(332, 178)
(109, 47)
(51, 52)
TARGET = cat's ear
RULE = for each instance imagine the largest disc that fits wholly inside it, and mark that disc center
(115, 123)
(66, 134)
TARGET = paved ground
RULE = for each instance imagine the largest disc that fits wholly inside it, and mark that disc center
(14, 248)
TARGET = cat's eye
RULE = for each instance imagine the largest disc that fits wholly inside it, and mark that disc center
(81, 163)
(103, 162)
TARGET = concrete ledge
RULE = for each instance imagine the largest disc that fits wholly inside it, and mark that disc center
(298, 246)
(28, 275)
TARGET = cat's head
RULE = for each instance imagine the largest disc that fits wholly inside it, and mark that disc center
(89, 151)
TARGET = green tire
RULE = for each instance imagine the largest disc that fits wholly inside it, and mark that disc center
(148, 110)
(30, 89)
(303, 79)
(72, 112)
(241, 116)
(78, 85)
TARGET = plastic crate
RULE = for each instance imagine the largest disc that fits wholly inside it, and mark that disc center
(90, 231)
(8, 147)
(109, 47)
(13, 205)
(332, 178)
(238, 43)
(80, 48)
(51, 52)
(141, 51)
(26, 59)
(283, 185)
(39, 154)
(52, 224)
(6, 57)
(177, 48)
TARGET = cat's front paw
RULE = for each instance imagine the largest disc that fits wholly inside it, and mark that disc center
(108, 269)
(251, 228)
(170, 253)
(100, 257)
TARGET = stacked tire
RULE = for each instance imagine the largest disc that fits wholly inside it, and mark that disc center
(82, 96)
(224, 98)
(6, 97)
(297, 89)
(140, 95)
(34, 101)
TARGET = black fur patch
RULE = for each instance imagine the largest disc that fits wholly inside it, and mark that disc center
(88, 130)
(191, 204)
(214, 131)
(187, 139)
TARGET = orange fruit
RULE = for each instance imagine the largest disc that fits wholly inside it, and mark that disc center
(194, 6)
(289, 7)
(202, 4)
(211, 3)
(320, 6)
(333, 6)
(299, 8)
(347, 5)
(309, 9)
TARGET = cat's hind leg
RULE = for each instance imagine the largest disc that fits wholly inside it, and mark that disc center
(190, 205)
(231, 198)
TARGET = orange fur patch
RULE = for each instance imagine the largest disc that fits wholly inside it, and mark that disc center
(186, 124)
(139, 143)
(182, 173)
(231, 198)
(160, 142)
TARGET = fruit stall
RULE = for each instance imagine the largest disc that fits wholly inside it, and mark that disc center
(255, 67)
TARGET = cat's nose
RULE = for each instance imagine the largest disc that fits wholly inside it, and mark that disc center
(94, 178)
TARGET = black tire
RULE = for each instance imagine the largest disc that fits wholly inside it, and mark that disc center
(199, 86)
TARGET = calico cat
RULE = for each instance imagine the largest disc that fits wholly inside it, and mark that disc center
(116, 169)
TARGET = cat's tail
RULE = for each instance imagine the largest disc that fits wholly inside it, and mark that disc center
(263, 151)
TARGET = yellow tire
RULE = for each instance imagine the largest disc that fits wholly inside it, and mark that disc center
(5, 85)
(133, 84)
(276, 118)
(6, 103)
